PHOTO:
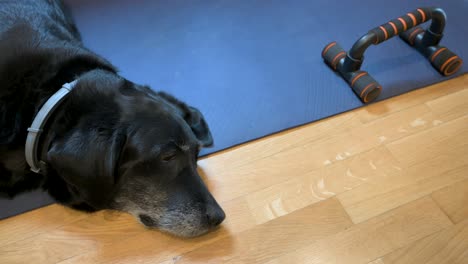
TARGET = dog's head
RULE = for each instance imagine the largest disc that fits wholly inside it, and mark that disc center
(122, 146)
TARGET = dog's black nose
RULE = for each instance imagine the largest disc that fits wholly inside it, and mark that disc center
(215, 216)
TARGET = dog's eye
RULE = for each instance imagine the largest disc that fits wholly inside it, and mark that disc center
(168, 156)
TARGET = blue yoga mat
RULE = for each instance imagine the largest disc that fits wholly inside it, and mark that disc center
(254, 67)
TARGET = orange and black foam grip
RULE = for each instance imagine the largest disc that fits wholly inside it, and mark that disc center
(365, 86)
(401, 24)
(332, 54)
(410, 35)
(445, 61)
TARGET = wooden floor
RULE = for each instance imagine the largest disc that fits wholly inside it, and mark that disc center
(384, 184)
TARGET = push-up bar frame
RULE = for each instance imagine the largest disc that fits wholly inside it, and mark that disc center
(348, 64)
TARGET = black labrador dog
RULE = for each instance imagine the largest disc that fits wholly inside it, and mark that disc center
(111, 143)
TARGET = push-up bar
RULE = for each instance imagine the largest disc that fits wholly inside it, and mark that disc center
(348, 65)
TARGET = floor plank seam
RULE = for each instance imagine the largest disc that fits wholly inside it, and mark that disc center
(440, 207)
(391, 209)
(415, 242)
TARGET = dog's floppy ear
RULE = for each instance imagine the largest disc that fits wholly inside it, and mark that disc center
(199, 126)
(87, 161)
(194, 119)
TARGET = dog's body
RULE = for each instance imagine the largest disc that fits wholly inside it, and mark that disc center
(111, 144)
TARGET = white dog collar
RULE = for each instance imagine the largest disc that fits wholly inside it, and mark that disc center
(32, 141)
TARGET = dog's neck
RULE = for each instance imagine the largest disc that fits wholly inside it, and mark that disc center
(40, 133)
(38, 124)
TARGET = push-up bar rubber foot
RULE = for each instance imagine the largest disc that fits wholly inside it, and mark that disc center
(348, 64)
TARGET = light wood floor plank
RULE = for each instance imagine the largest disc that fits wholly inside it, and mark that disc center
(397, 125)
(150, 246)
(336, 147)
(268, 146)
(428, 161)
(454, 201)
(306, 225)
(449, 246)
(450, 106)
(400, 177)
(50, 247)
(377, 261)
(432, 142)
(266, 241)
(369, 240)
(377, 197)
(36, 222)
(320, 184)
